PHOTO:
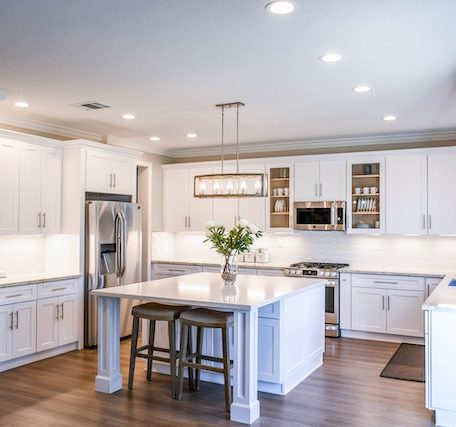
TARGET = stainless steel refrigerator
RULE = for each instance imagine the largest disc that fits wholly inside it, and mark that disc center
(112, 258)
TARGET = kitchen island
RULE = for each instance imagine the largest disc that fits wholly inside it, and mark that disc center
(301, 303)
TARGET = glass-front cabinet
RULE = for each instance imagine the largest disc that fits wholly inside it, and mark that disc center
(366, 195)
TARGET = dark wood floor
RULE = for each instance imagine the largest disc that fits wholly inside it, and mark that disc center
(346, 391)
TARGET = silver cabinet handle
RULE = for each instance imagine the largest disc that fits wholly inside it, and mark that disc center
(11, 321)
(39, 219)
(189, 221)
(186, 221)
(62, 315)
(429, 222)
(383, 302)
(321, 189)
(384, 282)
(114, 180)
(316, 190)
(58, 289)
(424, 222)
(17, 319)
(14, 296)
(110, 180)
(175, 270)
(44, 219)
(58, 312)
(388, 302)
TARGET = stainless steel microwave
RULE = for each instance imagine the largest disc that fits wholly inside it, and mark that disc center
(319, 216)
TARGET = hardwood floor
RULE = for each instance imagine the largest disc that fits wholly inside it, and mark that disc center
(345, 391)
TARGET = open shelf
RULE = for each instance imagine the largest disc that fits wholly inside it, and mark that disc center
(366, 195)
(366, 213)
(280, 213)
(279, 197)
(279, 178)
(366, 176)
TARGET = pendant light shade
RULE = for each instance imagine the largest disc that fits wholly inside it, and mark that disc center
(230, 184)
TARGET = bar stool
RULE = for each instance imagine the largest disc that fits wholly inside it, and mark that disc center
(203, 318)
(156, 312)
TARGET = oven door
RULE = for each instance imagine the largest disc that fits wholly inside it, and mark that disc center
(332, 302)
(319, 216)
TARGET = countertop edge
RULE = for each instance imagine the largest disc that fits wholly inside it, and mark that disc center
(37, 280)
(257, 265)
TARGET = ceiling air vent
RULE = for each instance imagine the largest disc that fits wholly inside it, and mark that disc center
(93, 105)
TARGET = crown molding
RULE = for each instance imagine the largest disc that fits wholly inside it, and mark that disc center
(421, 136)
(46, 128)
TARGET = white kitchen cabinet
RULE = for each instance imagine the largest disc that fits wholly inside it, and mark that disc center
(68, 322)
(368, 310)
(268, 349)
(404, 315)
(320, 180)
(24, 332)
(441, 200)
(406, 194)
(107, 172)
(281, 180)
(51, 191)
(253, 209)
(6, 332)
(9, 187)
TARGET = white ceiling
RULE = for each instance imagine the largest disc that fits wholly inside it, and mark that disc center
(169, 62)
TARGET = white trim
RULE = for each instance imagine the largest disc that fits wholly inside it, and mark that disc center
(372, 336)
(31, 139)
(426, 136)
(79, 143)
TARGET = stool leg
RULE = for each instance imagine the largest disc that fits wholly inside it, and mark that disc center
(191, 383)
(172, 355)
(226, 369)
(182, 358)
(134, 346)
(150, 350)
(199, 350)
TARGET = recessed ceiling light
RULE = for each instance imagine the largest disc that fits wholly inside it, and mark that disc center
(362, 89)
(191, 135)
(155, 138)
(128, 116)
(21, 104)
(280, 7)
(331, 57)
(389, 118)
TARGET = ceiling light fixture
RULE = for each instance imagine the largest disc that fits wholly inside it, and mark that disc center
(389, 118)
(192, 135)
(280, 7)
(21, 104)
(230, 184)
(128, 116)
(331, 57)
(362, 89)
(155, 138)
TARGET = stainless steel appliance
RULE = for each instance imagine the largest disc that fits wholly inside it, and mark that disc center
(112, 258)
(329, 271)
(319, 216)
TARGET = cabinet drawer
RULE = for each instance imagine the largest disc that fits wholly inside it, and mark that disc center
(269, 272)
(53, 289)
(16, 294)
(176, 269)
(388, 282)
(271, 311)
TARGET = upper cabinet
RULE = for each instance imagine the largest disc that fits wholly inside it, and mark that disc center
(109, 173)
(9, 186)
(406, 194)
(320, 180)
(39, 189)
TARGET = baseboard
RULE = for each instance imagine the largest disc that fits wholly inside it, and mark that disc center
(372, 336)
(35, 357)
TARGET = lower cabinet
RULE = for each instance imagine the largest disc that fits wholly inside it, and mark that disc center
(269, 350)
(17, 330)
(368, 310)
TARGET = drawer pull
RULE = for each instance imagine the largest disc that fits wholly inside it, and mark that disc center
(175, 270)
(62, 316)
(384, 282)
(11, 321)
(58, 289)
(14, 296)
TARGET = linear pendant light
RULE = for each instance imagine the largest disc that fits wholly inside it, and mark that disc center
(230, 184)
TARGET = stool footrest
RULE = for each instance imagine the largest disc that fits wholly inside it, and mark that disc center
(146, 347)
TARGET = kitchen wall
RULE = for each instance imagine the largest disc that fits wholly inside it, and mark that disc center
(422, 253)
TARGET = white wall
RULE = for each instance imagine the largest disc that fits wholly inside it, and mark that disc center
(383, 252)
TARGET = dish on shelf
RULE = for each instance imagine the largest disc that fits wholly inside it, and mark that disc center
(363, 226)
(280, 205)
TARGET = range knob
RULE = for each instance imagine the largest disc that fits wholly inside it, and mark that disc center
(327, 273)
(298, 272)
(321, 273)
(292, 272)
(333, 274)
(287, 271)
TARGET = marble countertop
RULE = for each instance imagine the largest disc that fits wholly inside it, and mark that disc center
(444, 296)
(399, 271)
(206, 290)
(209, 263)
(33, 278)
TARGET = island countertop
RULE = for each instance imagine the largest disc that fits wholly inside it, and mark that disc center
(206, 289)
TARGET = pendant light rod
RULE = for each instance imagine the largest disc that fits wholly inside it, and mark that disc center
(223, 127)
(237, 138)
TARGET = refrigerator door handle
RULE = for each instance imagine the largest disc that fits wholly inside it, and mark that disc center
(92, 273)
(120, 243)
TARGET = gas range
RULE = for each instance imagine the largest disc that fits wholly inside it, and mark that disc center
(319, 269)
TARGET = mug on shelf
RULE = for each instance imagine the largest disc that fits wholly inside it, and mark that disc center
(374, 190)
(275, 192)
(285, 191)
(280, 191)
(365, 190)
(358, 190)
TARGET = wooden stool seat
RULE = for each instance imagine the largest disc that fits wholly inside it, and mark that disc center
(156, 312)
(204, 318)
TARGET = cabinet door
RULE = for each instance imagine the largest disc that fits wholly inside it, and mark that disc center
(268, 350)
(123, 175)
(47, 323)
(369, 310)
(333, 180)
(51, 191)
(441, 200)
(406, 195)
(30, 189)
(6, 333)
(253, 209)
(405, 316)
(9, 187)
(306, 185)
(68, 323)
(98, 171)
(175, 199)
(24, 333)
(199, 210)
(226, 211)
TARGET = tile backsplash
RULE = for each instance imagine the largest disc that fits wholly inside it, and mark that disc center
(432, 252)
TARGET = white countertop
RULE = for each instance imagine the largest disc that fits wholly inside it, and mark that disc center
(32, 278)
(443, 297)
(394, 271)
(207, 290)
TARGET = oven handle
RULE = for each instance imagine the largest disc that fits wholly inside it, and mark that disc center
(333, 215)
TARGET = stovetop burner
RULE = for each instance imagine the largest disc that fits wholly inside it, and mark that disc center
(319, 265)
